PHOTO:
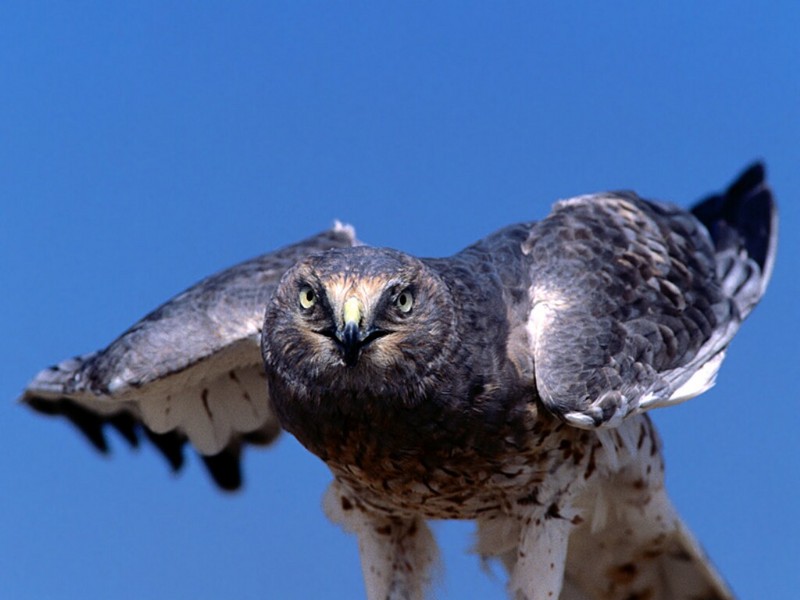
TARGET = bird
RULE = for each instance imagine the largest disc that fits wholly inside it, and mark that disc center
(508, 384)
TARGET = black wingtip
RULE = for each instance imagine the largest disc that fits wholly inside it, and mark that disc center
(751, 178)
(743, 216)
(92, 426)
(225, 469)
(126, 426)
(87, 422)
(170, 445)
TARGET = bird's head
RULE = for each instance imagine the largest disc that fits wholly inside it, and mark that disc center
(358, 319)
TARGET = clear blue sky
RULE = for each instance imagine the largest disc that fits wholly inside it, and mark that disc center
(145, 145)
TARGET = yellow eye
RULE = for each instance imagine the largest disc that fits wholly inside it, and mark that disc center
(307, 297)
(404, 301)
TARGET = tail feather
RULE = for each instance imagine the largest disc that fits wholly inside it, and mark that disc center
(670, 567)
(639, 548)
(690, 570)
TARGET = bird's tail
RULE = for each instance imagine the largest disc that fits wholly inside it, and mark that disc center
(640, 549)
(743, 223)
(679, 571)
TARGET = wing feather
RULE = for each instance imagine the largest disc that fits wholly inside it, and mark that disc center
(189, 371)
(633, 303)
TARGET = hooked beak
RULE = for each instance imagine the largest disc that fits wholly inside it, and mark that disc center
(351, 336)
(351, 343)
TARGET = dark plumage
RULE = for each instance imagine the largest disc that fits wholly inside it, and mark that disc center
(504, 384)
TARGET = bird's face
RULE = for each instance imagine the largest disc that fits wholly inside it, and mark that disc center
(358, 319)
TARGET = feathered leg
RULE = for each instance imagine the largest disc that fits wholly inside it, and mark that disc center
(539, 571)
(397, 553)
(532, 547)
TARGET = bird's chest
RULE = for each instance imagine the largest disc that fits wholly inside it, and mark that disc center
(451, 466)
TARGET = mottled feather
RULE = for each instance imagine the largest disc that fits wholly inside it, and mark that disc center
(635, 302)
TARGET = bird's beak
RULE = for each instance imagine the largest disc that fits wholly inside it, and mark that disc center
(350, 334)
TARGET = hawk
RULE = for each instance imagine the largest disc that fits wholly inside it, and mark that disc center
(507, 384)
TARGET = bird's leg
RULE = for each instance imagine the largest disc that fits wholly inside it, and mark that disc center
(396, 557)
(397, 553)
(538, 573)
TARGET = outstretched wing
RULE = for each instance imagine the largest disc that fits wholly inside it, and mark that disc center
(634, 302)
(191, 370)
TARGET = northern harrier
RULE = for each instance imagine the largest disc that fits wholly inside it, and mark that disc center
(507, 384)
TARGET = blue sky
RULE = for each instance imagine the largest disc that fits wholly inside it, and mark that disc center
(145, 145)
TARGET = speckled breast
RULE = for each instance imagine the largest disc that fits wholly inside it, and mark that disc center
(449, 481)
